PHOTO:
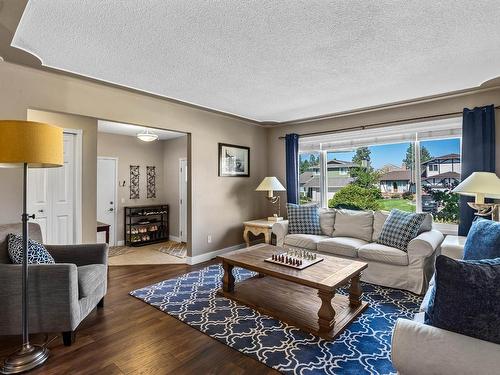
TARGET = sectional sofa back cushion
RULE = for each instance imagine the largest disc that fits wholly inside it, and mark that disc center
(379, 218)
(466, 298)
(400, 228)
(356, 224)
(483, 240)
(303, 219)
(326, 220)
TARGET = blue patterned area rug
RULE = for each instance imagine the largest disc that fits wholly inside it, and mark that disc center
(363, 348)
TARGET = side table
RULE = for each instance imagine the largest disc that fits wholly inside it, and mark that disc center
(453, 246)
(103, 227)
(256, 227)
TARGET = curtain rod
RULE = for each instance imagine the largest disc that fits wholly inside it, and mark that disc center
(379, 124)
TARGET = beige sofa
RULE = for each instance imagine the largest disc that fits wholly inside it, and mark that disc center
(353, 234)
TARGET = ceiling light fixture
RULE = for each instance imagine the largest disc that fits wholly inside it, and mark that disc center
(147, 136)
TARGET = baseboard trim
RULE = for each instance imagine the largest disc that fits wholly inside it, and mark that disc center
(120, 243)
(207, 256)
(174, 238)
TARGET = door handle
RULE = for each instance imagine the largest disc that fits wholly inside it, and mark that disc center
(111, 209)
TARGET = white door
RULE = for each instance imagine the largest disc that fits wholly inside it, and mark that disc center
(183, 173)
(38, 198)
(106, 194)
(51, 197)
(63, 193)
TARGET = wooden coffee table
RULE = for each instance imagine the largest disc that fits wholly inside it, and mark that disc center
(291, 295)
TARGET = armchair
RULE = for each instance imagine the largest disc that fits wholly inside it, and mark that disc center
(61, 295)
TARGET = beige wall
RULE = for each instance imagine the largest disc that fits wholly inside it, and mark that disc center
(132, 151)
(173, 150)
(11, 179)
(448, 105)
(218, 205)
(88, 126)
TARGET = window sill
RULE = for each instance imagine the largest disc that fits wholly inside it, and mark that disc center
(446, 229)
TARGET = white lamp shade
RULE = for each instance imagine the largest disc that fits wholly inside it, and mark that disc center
(270, 184)
(485, 184)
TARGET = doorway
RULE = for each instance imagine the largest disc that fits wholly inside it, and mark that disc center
(106, 194)
(142, 193)
(183, 182)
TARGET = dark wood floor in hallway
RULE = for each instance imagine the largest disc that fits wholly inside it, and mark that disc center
(128, 336)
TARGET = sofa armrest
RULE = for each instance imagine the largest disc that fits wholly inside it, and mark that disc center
(280, 230)
(53, 297)
(81, 255)
(422, 349)
(425, 244)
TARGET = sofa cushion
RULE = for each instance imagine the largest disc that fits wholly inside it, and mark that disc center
(400, 228)
(466, 298)
(303, 219)
(424, 306)
(303, 241)
(383, 254)
(344, 246)
(379, 218)
(327, 220)
(483, 240)
(89, 278)
(37, 253)
(355, 224)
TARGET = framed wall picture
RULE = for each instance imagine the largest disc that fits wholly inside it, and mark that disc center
(234, 161)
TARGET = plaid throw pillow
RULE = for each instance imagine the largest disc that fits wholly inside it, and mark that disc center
(303, 219)
(400, 228)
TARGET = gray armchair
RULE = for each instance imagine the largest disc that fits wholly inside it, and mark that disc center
(61, 295)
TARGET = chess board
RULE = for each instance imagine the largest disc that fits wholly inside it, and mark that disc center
(305, 262)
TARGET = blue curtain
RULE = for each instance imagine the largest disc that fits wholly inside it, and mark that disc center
(478, 153)
(292, 167)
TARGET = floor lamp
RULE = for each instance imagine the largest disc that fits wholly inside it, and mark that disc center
(28, 144)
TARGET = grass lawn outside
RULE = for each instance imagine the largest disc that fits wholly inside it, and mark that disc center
(400, 204)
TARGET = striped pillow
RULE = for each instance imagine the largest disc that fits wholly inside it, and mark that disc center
(303, 219)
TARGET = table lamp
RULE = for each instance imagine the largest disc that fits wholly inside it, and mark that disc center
(271, 184)
(27, 144)
(481, 185)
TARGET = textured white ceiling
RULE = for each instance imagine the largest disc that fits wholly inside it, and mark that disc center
(271, 60)
(132, 130)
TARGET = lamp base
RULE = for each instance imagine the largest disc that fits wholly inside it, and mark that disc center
(274, 218)
(25, 359)
(483, 209)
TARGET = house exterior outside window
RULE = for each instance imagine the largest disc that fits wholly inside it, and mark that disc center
(414, 167)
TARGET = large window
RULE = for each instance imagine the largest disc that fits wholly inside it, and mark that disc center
(412, 168)
(440, 173)
(309, 178)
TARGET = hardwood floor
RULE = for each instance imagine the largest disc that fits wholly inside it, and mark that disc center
(128, 336)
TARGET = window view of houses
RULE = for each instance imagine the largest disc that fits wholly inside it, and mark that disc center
(383, 177)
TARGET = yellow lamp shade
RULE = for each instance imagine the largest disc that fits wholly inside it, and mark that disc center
(37, 144)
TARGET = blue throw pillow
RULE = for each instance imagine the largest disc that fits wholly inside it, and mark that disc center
(483, 240)
(37, 253)
(466, 298)
(303, 219)
(400, 228)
